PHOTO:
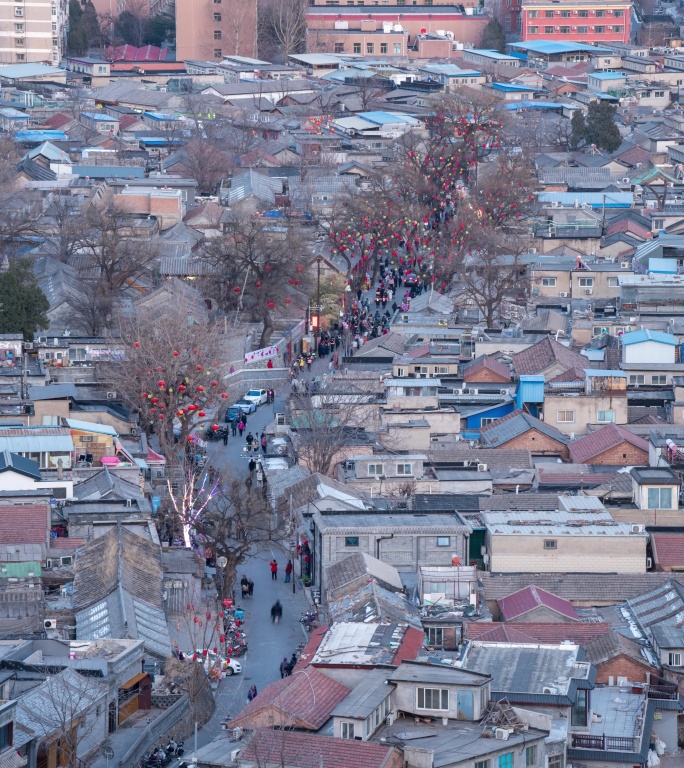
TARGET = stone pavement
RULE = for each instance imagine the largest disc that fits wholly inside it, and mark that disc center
(122, 740)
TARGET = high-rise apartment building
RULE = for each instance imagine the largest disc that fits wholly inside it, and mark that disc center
(583, 21)
(34, 30)
(212, 29)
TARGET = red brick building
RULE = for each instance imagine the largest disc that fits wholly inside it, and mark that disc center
(582, 21)
(615, 656)
(610, 445)
(486, 369)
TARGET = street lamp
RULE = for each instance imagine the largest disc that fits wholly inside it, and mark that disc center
(222, 562)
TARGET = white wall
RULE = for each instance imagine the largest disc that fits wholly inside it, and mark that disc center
(649, 352)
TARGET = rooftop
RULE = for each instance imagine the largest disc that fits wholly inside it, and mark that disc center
(351, 643)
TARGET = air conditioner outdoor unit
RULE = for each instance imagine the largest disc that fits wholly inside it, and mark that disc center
(390, 718)
(589, 291)
(472, 391)
(502, 734)
(50, 624)
(563, 295)
(68, 560)
(625, 180)
(637, 529)
(111, 395)
(624, 265)
(546, 689)
(28, 345)
(49, 563)
(649, 562)
(481, 467)
(503, 391)
(404, 318)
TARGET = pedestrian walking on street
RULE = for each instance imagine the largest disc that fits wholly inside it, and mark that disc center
(233, 428)
(276, 612)
(252, 466)
(288, 571)
(244, 585)
(252, 693)
(283, 665)
(293, 660)
(250, 585)
(225, 435)
(288, 669)
(241, 427)
(249, 440)
(274, 570)
(264, 442)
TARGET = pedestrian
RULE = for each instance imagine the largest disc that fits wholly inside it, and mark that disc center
(269, 364)
(250, 586)
(225, 435)
(252, 466)
(252, 693)
(241, 427)
(288, 571)
(233, 427)
(301, 363)
(293, 660)
(248, 483)
(232, 369)
(274, 569)
(244, 586)
(283, 665)
(249, 440)
(288, 669)
(264, 442)
(276, 612)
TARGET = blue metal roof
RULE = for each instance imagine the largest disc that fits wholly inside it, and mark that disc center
(608, 75)
(31, 137)
(101, 117)
(109, 171)
(610, 373)
(515, 87)
(490, 54)
(532, 105)
(162, 116)
(549, 47)
(380, 118)
(662, 266)
(646, 334)
(594, 199)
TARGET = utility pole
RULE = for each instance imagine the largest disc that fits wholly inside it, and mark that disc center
(292, 546)
(318, 304)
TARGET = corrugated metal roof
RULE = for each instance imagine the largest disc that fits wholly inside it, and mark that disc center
(44, 440)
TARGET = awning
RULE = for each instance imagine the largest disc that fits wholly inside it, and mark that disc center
(12, 760)
(132, 682)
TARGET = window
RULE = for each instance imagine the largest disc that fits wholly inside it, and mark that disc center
(531, 757)
(339, 47)
(599, 30)
(357, 47)
(613, 282)
(658, 223)
(659, 498)
(660, 380)
(486, 421)
(579, 708)
(599, 330)
(533, 30)
(618, 14)
(548, 14)
(583, 14)
(6, 736)
(657, 94)
(18, 11)
(351, 541)
(550, 544)
(397, 49)
(565, 14)
(505, 761)
(600, 14)
(218, 53)
(217, 34)
(555, 761)
(586, 282)
(533, 14)
(383, 48)
(482, 764)
(54, 26)
(582, 30)
(548, 30)
(549, 282)
(565, 30)
(376, 469)
(347, 730)
(565, 417)
(19, 41)
(443, 541)
(217, 17)
(432, 698)
(18, 27)
(604, 417)
(637, 379)
(370, 47)
(673, 660)
(435, 636)
(441, 370)
(404, 469)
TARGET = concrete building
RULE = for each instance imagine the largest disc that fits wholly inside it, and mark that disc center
(34, 32)
(213, 29)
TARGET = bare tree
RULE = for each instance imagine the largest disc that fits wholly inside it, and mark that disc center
(287, 22)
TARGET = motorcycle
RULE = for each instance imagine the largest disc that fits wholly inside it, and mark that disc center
(175, 749)
(308, 617)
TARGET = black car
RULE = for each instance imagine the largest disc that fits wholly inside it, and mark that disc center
(411, 280)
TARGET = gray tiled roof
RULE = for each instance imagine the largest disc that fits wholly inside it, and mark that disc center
(518, 423)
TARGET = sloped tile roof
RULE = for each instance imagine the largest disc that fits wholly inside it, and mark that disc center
(596, 443)
(24, 524)
(575, 632)
(542, 355)
(515, 424)
(303, 750)
(489, 363)
(527, 599)
(305, 700)
(612, 644)
(668, 549)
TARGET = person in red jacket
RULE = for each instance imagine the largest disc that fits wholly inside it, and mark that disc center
(274, 570)
(288, 571)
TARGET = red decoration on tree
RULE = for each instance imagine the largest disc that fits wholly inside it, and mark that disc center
(236, 289)
(271, 305)
(201, 414)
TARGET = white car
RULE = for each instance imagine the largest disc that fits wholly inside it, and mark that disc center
(229, 666)
(258, 396)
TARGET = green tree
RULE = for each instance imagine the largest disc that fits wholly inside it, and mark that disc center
(579, 128)
(23, 305)
(91, 24)
(601, 129)
(493, 37)
(159, 29)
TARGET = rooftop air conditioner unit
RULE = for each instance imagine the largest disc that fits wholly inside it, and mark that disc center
(50, 624)
(589, 291)
(546, 689)
(502, 734)
(472, 391)
(68, 560)
(625, 180)
(481, 467)
(390, 719)
(28, 345)
(624, 265)
(637, 529)
(503, 391)
(404, 318)
(111, 395)
(563, 295)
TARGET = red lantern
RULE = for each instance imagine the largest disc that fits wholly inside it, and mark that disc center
(194, 657)
(200, 388)
(155, 400)
(216, 428)
(175, 354)
(288, 300)
(188, 606)
(222, 638)
(161, 384)
(236, 289)
(180, 413)
(205, 652)
(196, 619)
(136, 344)
(271, 305)
(215, 650)
(214, 383)
(224, 396)
(208, 615)
(144, 394)
(201, 414)
(300, 267)
(198, 367)
(258, 284)
(181, 387)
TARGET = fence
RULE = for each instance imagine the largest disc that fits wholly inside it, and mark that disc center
(155, 730)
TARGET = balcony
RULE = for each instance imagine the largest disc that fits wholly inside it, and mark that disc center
(605, 743)
(663, 691)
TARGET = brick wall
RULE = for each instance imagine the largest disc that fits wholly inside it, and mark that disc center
(623, 666)
(542, 615)
(539, 444)
(486, 375)
(622, 455)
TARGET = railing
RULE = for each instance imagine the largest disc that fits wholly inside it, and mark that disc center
(666, 691)
(154, 731)
(605, 743)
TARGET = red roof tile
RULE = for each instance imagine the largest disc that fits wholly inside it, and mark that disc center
(471, 369)
(303, 750)
(24, 524)
(305, 700)
(602, 440)
(66, 543)
(311, 647)
(411, 644)
(668, 549)
(57, 121)
(576, 632)
(627, 225)
(542, 355)
(525, 600)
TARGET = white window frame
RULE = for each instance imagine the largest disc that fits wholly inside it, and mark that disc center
(401, 372)
(486, 421)
(441, 693)
(549, 282)
(607, 419)
(435, 636)
(401, 470)
(443, 541)
(586, 282)
(637, 378)
(562, 417)
(660, 504)
(674, 659)
(613, 282)
(441, 370)
(347, 731)
(550, 544)
(375, 470)
(659, 380)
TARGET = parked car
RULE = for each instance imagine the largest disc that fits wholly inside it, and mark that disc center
(411, 280)
(229, 666)
(233, 413)
(247, 406)
(258, 396)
